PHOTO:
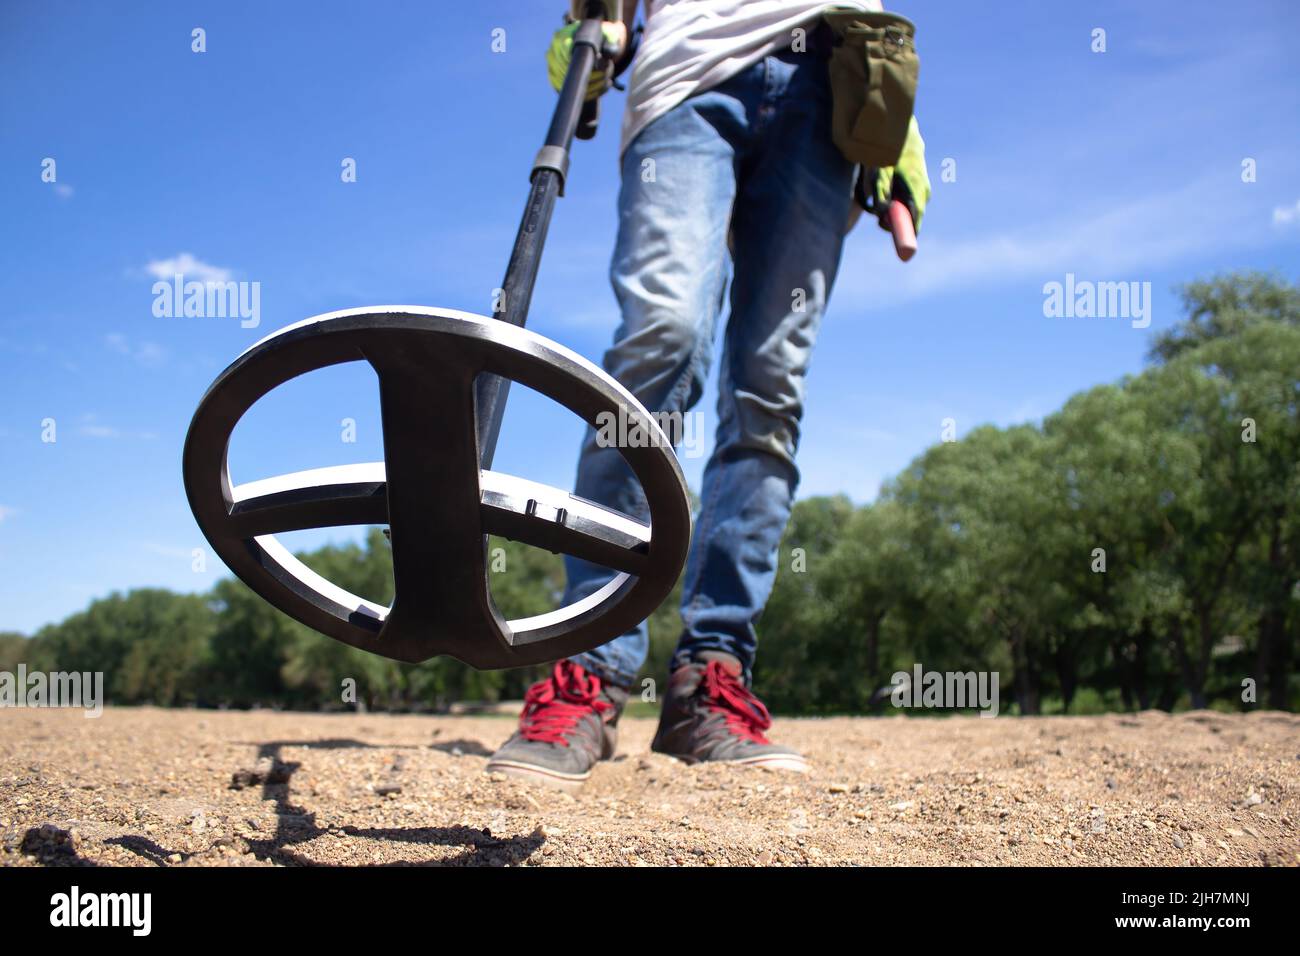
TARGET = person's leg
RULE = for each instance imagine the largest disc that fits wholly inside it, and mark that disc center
(669, 273)
(788, 224)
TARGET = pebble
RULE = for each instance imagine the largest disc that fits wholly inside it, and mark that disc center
(733, 817)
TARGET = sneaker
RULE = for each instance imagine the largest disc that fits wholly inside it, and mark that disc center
(709, 714)
(570, 721)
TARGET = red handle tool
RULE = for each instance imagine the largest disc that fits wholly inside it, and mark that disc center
(900, 227)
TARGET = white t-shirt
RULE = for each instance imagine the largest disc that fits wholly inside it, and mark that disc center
(692, 45)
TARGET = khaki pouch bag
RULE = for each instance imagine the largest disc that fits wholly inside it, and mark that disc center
(874, 70)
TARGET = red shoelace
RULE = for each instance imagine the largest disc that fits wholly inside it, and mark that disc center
(745, 713)
(553, 707)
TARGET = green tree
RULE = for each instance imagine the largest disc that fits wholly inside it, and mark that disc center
(795, 677)
(150, 643)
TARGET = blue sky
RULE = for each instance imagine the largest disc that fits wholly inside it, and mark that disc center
(1117, 166)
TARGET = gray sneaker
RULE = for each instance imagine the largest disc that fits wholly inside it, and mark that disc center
(709, 714)
(570, 721)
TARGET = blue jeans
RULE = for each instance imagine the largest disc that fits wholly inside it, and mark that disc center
(748, 164)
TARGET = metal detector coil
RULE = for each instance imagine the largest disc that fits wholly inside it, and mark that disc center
(443, 381)
(432, 493)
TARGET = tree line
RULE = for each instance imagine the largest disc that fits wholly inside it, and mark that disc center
(1139, 548)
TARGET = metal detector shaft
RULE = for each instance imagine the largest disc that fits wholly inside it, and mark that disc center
(549, 171)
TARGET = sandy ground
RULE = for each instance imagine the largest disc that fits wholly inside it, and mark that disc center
(145, 787)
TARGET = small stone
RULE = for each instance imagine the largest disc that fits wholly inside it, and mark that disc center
(174, 858)
(1178, 841)
(838, 788)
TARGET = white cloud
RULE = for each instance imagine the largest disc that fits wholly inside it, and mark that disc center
(1285, 215)
(100, 431)
(150, 354)
(1127, 240)
(186, 264)
(63, 190)
(91, 427)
